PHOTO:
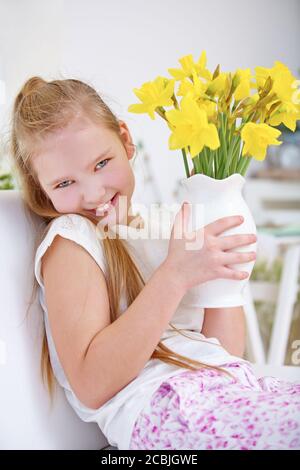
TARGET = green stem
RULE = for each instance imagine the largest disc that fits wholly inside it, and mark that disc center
(197, 164)
(215, 158)
(245, 167)
(246, 163)
(240, 165)
(221, 165)
(204, 159)
(218, 169)
(210, 160)
(202, 156)
(220, 162)
(194, 165)
(185, 163)
(224, 142)
(240, 161)
(235, 154)
(243, 163)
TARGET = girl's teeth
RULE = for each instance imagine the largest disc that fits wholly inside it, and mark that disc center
(101, 209)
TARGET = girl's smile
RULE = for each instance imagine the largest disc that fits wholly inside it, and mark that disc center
(104, 208)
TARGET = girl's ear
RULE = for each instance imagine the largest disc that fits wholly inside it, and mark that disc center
(126, 139)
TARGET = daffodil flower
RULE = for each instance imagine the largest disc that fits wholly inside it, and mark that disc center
(257, 138)
(208, 106)
(242, 81)
(283, 80)
(194, 90)
(220, 110)
(218, 85)
(188, 65)
(288, 114)
(191, 128)
(155, 94)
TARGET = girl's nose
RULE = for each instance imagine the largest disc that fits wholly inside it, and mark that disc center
(93, 196)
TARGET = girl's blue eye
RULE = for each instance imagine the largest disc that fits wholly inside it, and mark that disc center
(61, 187)
(106, 160)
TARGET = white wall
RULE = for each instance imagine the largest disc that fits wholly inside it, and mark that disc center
(118, 45)
(30, 44)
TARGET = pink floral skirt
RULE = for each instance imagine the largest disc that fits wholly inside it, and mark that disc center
(205, 409)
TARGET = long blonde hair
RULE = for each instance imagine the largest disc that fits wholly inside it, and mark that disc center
(41, 108)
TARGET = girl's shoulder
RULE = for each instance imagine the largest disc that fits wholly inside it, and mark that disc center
(72, 223)
(76, 228)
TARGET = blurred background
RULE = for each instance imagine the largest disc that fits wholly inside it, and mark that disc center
(118, 45)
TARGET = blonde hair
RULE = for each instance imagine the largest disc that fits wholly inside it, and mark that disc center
(43, 107)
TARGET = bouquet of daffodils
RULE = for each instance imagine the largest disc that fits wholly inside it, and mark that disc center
(222, 120)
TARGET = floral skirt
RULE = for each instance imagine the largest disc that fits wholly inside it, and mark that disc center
(206, 409)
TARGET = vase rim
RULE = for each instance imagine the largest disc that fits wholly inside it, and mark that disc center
(233, 176)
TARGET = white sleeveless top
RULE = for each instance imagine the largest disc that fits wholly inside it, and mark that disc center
(116, 418)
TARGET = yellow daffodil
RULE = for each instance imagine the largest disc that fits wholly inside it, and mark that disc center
(188, 65)
(218, 85)
(187, 88)
(257, 138)
(191, 128)
(194, 90)
(283, 80)
(208, 106)
(288, 114)
(221, 110)
(242, 82)
(153, 95)
(201, 67)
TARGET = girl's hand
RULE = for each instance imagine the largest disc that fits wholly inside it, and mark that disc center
(202, 255)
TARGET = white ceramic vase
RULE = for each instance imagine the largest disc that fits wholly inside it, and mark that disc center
(212, 199)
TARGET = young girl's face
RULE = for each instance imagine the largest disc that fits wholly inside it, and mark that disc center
(85, 165)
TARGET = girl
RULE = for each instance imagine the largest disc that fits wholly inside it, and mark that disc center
(108, 303)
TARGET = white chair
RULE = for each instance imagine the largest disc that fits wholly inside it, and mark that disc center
(276, 203)
(27, 419)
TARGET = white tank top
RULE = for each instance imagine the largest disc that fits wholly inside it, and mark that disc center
(116, 418)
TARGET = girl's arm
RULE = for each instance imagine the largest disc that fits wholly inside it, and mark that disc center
(99, 357)
(119, 352)
(228, 326)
